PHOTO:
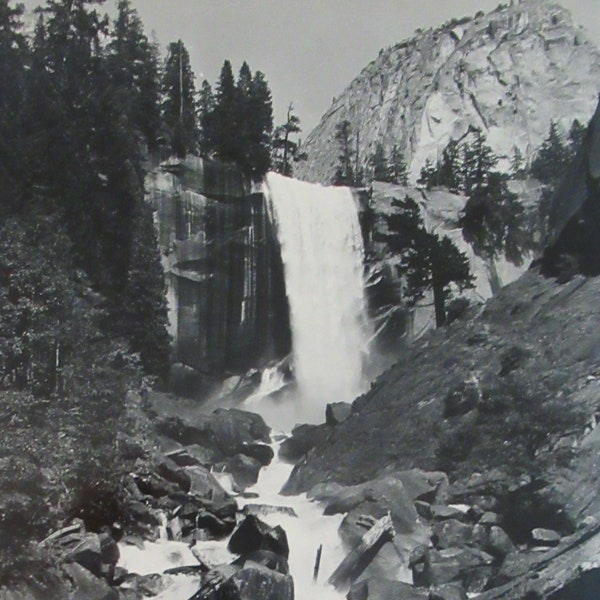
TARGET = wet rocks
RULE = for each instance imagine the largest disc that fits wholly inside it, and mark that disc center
(253, 581)
(253, 534)
(386, 492)
(222, 433)
(244, 469)
(337, 413)
(260, 573)
(384, 589)
(545, 537)
(449, 591)
(303, 439)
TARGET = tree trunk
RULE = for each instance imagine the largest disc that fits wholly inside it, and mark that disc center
(350, 569)
(439, 303)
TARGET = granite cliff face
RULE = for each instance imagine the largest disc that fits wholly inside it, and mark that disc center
(228, 309)
(508, 73)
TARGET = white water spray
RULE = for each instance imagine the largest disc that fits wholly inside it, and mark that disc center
(322, 252)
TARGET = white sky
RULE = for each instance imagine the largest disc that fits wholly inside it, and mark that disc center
(309, 50)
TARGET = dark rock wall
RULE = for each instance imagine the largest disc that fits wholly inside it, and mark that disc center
(574, 220)
(228, 306)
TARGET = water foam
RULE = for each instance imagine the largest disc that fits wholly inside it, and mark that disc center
(323, 256)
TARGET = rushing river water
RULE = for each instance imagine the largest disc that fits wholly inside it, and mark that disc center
(305, 533)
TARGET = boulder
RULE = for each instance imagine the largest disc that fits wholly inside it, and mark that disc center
(451, 533)
(109, 549)
(266, 509)
(390, 560)
(384, 589)
(386, 493)
(266, 558)
(428, 486)
(244, 469)
(477, 579)
(437, 567)
(261, 452)
(169, 470)
(441, 512)
(234, 428)
(253, 534)
(303, 439)
(204, 484)
(448, 591)
(337, 413)
(224, 432)
(498, 544)
(255, 582)
(545, 537)
(152, 484)
(88, 553)
(141, 513)
(489, 518)
(193, 455)
(87, 586)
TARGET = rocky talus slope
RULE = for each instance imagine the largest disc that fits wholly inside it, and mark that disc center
(505, 404)
(508, 73)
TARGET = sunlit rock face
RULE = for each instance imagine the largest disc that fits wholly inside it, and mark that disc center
(228, 310)
(508, 73)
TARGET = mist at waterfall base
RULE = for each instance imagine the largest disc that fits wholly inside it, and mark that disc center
(322, 252)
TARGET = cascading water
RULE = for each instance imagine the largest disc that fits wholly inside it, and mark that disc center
(322, 253)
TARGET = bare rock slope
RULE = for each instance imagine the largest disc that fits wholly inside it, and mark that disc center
(508, 73)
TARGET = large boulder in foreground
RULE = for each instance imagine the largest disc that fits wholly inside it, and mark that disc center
(253, 534)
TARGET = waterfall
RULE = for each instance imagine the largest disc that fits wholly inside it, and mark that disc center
(322, 253)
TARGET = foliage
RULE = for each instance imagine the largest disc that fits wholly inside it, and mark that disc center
(493, 221)
(134, 64)
(551, 159)
(144, 309)
(349, 172)
(237, 120)
(388, 170)
(179, 100)
(285, 149)
(397, 167)
(63, 381)
(428, 262)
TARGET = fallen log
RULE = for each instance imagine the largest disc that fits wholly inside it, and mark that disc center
(348, 571)
(75, 528)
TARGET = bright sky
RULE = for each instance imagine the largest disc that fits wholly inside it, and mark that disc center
(309, 50)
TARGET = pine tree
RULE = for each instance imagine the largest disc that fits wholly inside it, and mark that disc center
(259, 127)
(397, 167)
(517, 163)
(226, 122)
(550, 162)
(344, 174)
(285, 148)
(478, 161)
(576, 136)
(428, 262)
(133, 62)
(206, 113)
(379, 164)
(428, 175)
(13, 145)
(179, 104)
(493, 221)
(144, 310)
(448, 170)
